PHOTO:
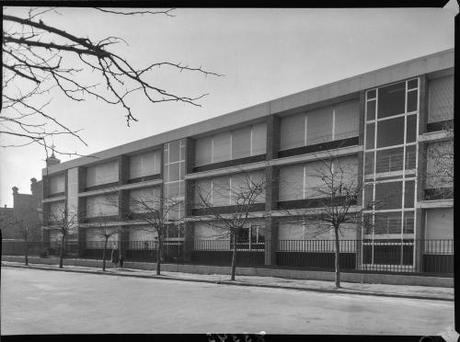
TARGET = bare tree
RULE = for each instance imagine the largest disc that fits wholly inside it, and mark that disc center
(158, 213)
(39, 58)
(244, 194)
(65, 223)
(336, 188)
(106, 232)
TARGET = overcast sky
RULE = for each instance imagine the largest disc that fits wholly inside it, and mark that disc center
(264, 54)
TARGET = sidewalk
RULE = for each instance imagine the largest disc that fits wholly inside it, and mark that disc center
(404, 291)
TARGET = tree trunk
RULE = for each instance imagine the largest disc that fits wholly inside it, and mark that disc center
(337, 258)
(103, 253)
(233, 258)
(61, 252)
(159, 251)
(26, 252)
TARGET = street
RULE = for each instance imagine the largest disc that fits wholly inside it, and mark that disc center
(53, 302)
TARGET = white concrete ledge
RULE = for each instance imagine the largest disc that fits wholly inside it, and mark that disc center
(54, 199)
(120, 187)
(432, 204)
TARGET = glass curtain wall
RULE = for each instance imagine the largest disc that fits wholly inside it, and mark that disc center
(390, 163)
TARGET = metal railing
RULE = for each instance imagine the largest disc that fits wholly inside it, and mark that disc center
(430, 256)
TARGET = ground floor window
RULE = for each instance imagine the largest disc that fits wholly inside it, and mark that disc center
(250, 238)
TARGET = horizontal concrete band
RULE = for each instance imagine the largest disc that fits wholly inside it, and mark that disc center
(371, 278)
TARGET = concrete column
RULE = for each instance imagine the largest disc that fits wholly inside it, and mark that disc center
(188, 199)
(419, 228)
(362, 123)
(123, 167)
(271, 190)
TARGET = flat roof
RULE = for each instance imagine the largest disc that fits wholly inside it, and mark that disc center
(418, 66)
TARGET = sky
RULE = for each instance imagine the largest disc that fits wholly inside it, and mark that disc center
(263, 53)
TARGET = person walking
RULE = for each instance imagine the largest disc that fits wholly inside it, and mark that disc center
(115, 255)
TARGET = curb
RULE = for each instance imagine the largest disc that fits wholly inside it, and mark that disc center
(228, 282)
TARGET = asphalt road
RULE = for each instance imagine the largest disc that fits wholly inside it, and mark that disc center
(53, 302)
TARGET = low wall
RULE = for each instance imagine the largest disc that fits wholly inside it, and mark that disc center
(371, 278)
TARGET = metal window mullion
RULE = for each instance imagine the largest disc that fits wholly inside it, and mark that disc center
(333, 124)
(304, 185)
(251, 144)
(305, 130)
(416, 174)
(231, 145)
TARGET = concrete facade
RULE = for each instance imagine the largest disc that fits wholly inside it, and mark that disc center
(354, 122)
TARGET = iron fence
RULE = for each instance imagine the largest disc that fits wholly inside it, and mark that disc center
(419, 256)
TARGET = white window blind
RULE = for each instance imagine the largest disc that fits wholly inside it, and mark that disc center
(144, 199)
(292, 131)
(142, 233)
(203, 151)
(221, 147)
(315, 187)
(221, 191)
(319, 126)
(346, 120)
(56, 184)
(259, 139)
(202, 191)
(102, 205)
(441, 99)
(102, 174)
(145, 164)
(241, 143)
(291, 183)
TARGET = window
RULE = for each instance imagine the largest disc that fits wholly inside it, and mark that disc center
(102, 174)
(292, 131)
(259, 139)
(144, 199)
(390, 160)
(411, 129)
(390, 132)
(409, 194)
(319, 126)
(102, 205)
(144, 164)
(369, 163)
(241, 143)
(388, 195)
(56, 184)
(250, 238)
(392, 100)
(410, 157)
(368, 196)
(346, 120)
(370, 135)
(387, 223)
(221, 147)
(408, 222)
(203, 151)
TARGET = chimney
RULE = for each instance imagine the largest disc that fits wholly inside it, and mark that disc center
(15, 190)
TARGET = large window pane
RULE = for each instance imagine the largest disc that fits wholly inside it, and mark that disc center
(346, 120)
(57, 184)
(410, 157)
(292, 131)
(241, 143)
(144, 164)
(259, 139)
(408, 227)
(203, 150)
(369, 166)
(411, 129)
(409, 194)
(173, 174)
(371, 110)
(370, 135)
(390, 160)
(319, 126)
(368, 196)
(388, 195)
(412, 101)
(102, 174)
(390, 132)
(387, 223)
(203, 193)
(392, 100)
(221, 150)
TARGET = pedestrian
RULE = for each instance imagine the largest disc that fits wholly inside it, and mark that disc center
(114, 257)
(121, 260)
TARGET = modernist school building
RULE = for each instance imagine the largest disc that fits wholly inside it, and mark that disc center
(388, 127)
